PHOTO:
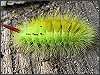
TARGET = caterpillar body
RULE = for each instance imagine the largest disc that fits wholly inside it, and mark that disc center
(55, 30)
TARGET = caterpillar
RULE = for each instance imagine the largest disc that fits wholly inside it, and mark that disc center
(66, 29)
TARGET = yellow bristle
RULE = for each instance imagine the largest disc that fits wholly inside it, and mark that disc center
(77, 26)
(48, 25)
(65, 25)
(74, 26)
(56, 24)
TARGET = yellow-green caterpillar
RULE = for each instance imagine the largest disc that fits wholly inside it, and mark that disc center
(55, 30)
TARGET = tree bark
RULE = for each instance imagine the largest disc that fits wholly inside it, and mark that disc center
(14, 62)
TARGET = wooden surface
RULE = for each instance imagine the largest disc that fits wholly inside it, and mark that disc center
(13, 62)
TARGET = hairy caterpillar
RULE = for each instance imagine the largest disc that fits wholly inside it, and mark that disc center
(55, 30)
